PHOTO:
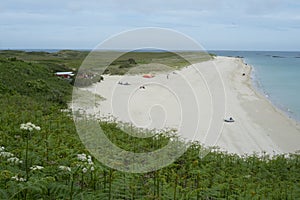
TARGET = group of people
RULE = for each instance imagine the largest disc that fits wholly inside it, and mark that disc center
(169, 75)
(121, 83)
(126, 83)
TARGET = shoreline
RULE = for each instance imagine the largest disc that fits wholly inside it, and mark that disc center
(261, 92)
(259, 127)
(282, 122)
(256, 85)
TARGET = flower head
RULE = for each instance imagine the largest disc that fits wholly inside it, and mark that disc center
(29, 126)
(16, 178)
(2, 148)
(86, 163)
(36, 167)
(82, 157)
(14, 160)
(5, 154)
(89, 160)
(64, 168)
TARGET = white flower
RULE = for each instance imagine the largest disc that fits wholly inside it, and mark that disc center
(14, 160)
(36, 167)
(2, 148)
(23, 127)
(16, 178)
(64, 168)
(82, 157)
(29, 126)
(5, 154)
(92, 168)
(90, 162)
(22, 179)
(17, 136)
(84, 170)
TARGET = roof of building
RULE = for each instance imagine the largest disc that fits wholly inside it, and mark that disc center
(65, 73)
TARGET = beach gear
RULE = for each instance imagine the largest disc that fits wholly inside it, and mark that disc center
(148, 76)
(229, 120)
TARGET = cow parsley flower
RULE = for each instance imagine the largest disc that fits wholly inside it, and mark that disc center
(16, 178)
(29, 126)
(64, 168)
(5, 154)
(86, 163)
(84, 170)
(17, 136)
(14, 160)
(36, 167)
(89, 160)
(82, 157)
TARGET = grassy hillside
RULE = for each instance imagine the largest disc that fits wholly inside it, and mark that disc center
(32, 80)
(62, 60)
(52, 163)
(146, 62)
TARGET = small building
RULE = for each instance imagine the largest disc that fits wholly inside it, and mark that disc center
(64, 74)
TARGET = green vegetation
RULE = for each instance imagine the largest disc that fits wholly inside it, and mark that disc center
(60, 61)
(128, 63)
(33, 81)
(52, 163)
(146, 62)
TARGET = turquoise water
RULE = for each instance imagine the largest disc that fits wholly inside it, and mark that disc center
(276, 75)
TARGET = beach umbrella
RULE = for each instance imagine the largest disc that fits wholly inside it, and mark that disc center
(148, 76)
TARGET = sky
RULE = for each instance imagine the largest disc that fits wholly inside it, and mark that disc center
(215, 24)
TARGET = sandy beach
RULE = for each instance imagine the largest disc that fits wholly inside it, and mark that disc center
(181, 99)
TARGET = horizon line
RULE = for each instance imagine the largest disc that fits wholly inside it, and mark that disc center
(150, 50)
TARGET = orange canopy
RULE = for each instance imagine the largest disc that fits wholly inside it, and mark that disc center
(148, 76)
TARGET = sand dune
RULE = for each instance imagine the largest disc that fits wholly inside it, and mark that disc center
(195, 101)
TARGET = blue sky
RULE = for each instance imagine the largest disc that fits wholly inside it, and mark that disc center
(215, 24)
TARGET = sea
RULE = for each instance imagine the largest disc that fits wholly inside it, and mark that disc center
(275, 74)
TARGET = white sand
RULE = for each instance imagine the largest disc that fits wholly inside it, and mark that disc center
(182, 99)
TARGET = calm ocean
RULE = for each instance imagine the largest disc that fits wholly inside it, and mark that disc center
(276, 75)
